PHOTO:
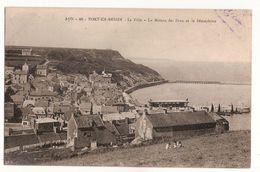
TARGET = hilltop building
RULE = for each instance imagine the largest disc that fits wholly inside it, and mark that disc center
(27, 52)
(103, 78)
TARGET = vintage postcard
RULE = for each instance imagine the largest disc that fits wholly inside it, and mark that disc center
(127, 87)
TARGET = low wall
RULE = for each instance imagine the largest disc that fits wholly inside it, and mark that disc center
(9, 150)
(26, 147)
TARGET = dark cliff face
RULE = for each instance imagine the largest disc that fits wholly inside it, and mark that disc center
(85, 61)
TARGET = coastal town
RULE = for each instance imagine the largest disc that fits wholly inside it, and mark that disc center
(106, 87)
(45, 108)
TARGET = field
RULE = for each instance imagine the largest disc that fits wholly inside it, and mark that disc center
(18, 61)
(231, 149)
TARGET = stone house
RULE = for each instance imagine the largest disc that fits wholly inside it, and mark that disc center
(42, 70)
(9, 70)
(42, 95)
(46, 125)
(88, 131)
(21, 76)
(26, 52)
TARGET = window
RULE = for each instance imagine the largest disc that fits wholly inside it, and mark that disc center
(131, 130)
(87, 134)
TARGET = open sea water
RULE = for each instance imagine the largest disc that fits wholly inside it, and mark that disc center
(203, 95)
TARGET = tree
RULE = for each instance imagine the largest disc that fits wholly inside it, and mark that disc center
(232, 108)
(8, 93)
(218, 107)
(212, 108)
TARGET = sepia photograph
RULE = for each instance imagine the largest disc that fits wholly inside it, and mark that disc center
(127, 87)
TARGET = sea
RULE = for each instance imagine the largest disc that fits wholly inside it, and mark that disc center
(203, 94)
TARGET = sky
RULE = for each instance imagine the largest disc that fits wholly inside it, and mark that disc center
(227, 38)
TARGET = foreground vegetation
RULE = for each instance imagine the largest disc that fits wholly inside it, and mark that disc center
(230, 149)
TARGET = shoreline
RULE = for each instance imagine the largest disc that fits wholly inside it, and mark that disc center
(149, 84)
(208, 82)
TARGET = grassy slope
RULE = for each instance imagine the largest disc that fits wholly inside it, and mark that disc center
(84, 61)
(227, 150)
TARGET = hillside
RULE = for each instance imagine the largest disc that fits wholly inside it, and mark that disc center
(226, 150)
(85, 61)
(229, 150)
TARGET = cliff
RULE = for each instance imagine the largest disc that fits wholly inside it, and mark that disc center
(84, 61)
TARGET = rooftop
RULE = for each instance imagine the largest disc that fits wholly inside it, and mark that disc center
(169, 101)
(9, 68)
(109, 109)
(28, 102)
(20, 72)
(17, 98)
(41, 103)
(41, 67)
(45, 120)
(86, 121)
(119, 116)
(38, 110)
(61, 108)
(179, 118)
(43, 93)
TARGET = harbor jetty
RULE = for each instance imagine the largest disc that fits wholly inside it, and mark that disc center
(207, 82)
(149, 84)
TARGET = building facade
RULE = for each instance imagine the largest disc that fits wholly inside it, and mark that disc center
(42, 70)
(21, 76)
(88, 131)
(9, 70)
(27, 52)
(174, 124)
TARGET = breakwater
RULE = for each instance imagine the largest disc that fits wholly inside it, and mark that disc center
(207, 82)
(149, 84)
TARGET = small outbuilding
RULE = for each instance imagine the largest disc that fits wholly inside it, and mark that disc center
(46, 125)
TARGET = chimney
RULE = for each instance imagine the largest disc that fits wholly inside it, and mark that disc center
(145, 112)
(114, 122)
(55, 129)
(101, 115)
(91, 108)
(165, 111)
(127, 120)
